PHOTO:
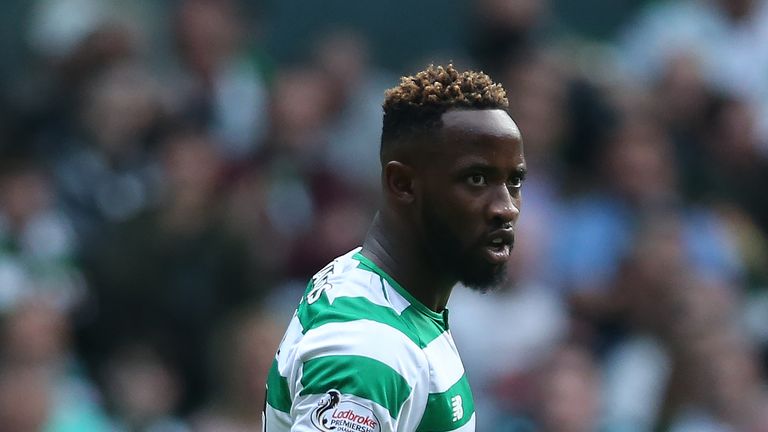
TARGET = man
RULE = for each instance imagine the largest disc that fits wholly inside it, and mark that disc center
(368, 349)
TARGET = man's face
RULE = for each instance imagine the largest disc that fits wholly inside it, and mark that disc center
(472, 173)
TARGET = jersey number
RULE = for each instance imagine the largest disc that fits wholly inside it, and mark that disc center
(320, 283)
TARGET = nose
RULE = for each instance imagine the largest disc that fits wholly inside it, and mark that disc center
(504, 207)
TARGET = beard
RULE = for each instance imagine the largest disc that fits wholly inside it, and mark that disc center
(462, 262)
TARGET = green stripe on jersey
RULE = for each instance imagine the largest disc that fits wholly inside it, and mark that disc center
(357, 375)
(448, 410)
(278, 396)
(426, 327)
(418, 328)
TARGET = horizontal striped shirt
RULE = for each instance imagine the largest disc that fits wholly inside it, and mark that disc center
(362, 355)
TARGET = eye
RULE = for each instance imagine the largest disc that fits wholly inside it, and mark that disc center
(476, 180)
(515, 182)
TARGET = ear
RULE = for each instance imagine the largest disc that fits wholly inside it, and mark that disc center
(399, 181)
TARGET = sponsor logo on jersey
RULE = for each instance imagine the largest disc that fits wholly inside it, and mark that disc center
(335, 414)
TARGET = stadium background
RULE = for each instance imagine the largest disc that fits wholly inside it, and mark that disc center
(172, 172)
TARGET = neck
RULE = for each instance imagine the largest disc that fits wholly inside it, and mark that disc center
(396, 250)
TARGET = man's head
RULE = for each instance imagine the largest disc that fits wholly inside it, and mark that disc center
(452, 169)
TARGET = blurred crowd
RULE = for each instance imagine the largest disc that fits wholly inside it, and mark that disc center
(167, 188)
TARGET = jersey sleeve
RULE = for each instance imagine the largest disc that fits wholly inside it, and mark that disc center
(353, 376)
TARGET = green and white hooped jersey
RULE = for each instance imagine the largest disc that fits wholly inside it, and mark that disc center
(362, 355)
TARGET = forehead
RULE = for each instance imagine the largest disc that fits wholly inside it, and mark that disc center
(488, 133)
(490, 122)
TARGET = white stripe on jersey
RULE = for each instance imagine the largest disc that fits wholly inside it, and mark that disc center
(291, 338)
(444, 358)
(396, 300)
(369, 339)
(357, 283)
(274, 418)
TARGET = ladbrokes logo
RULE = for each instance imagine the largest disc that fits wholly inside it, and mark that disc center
(338, 415)
(367, 422)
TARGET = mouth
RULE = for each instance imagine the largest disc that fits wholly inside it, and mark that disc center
(498, 247)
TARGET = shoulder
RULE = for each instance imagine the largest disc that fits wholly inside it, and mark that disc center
(346, 317)
(344, 294)
(343, 278)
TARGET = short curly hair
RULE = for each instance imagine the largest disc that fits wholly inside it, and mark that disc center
(418, 102)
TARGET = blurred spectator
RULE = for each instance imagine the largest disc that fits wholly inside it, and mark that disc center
(728, 38)
(58, 28)
(272, 201)
(25, 394)
(243, 356)
(109, 175)
(682, 101)
(37, 243)
(222, 80)
(726, 389)
(40, 286)
(165, 278)
(505, 30)
(665, 311)
(142, 391)
(42, 386)
(741, 168)
(568, 392)
(645, 306)
(562, 394)
(316, 208)
(530, 322)
(48, 99)
(300, 109)
(249, 217)
(638, 179)
(356, 91)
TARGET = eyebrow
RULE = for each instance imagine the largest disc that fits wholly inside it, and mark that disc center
(479, 165)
